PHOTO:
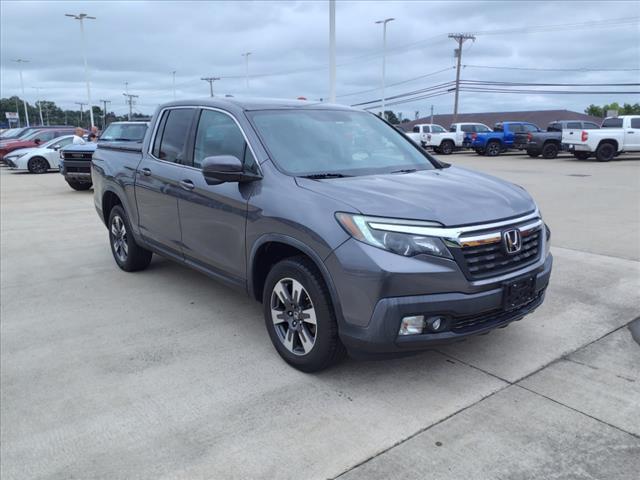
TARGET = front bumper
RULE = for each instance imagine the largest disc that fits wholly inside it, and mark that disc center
(374, 303)
(76, 169)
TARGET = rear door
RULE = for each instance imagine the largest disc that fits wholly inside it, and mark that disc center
(632, 135)
(213, 217)
(158, 180)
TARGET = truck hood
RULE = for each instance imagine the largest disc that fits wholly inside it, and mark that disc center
(452, 196)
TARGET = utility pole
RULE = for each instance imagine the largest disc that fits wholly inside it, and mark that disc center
(384, 55)
(20, 61)
(431, 114)
(82, 17)
(81, 110)
(460, 38)
(210, 80)
(130, 101)
(174, 84)
(104, 113)
(246, 70)
(332, 51)
(37, 89)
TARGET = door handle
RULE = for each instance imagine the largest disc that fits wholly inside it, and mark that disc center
(631, 131)
(187, 184)
(146, 172)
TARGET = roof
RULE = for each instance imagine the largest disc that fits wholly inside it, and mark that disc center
(256, 103)
(540, 117)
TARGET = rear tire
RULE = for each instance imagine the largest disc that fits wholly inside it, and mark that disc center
(605, 152)
(493, 149)
(479, 151)
(129, 256)
(38, 165)
(533, 154)
(446, 147)
(80, 186)
(582, 155)
(300, 317)
(550, 150)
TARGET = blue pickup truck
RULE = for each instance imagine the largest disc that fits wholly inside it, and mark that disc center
(502, 138)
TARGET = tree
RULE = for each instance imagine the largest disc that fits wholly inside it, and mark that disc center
(391, 117)
(626, 109)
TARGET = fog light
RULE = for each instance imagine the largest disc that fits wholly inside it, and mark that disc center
(412, 325)
(436, 324)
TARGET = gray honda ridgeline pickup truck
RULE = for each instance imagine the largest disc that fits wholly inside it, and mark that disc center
(352, 237)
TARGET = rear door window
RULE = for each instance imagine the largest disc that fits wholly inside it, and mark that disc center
(612, 123)
(574, 125)
(590, 126)
(171, 138)
(437, 129)
(635, 123)
(467, 128)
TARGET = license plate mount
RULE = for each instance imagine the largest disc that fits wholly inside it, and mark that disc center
(519, 292)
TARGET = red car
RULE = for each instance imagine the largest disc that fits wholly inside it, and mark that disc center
(33, 139)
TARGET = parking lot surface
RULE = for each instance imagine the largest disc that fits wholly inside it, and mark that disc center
(167, 374)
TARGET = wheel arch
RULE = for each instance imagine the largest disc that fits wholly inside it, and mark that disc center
(271, 248)
(612, 141)
(109, 200)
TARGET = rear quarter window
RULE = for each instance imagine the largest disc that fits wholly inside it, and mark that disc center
(574, 125)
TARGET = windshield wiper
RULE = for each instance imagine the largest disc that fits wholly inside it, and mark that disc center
(406, 170)
(319, 176)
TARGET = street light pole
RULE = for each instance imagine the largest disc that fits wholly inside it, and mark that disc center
(20, 61)
(81, 17)
(332, 51)
(384, 55)
(246, 69)
(37, 89)
(173, 84)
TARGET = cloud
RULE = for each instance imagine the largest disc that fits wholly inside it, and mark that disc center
(142, 42)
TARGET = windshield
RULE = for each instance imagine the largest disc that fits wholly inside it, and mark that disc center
(308, 142)
(11, 133)
(31, 135)
(62, 141)
(124, 132)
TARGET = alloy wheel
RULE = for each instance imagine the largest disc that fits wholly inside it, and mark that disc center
(39, 165)
(119, 238)
(293, 316)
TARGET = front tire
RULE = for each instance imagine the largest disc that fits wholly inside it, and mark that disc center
(300, 317)
(38, 165)
(80, 186)
(129, 256)
(605, 152)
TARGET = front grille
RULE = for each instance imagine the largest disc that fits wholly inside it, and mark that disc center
(491, 259)
(77, 155)
(475, 322)
(78, 169)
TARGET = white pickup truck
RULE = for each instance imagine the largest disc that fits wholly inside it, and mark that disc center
(434, 136)
(617, 135)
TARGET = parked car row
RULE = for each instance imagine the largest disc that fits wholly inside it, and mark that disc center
(33, 153)
(622, 135)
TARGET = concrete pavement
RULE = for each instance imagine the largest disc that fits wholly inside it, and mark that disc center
(168, 374)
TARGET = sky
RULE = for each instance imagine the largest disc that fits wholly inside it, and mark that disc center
(142, 42)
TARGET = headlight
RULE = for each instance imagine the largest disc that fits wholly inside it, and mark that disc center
(379, 233)
(15, 156)
(547, 240)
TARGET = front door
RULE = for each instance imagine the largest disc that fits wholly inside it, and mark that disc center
(632, 136)
(213, 217)
(158, 181)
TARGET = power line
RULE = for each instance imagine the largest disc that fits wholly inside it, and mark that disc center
(536, 69)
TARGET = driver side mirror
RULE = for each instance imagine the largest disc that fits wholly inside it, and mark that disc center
(56, 147)
(225, 168)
